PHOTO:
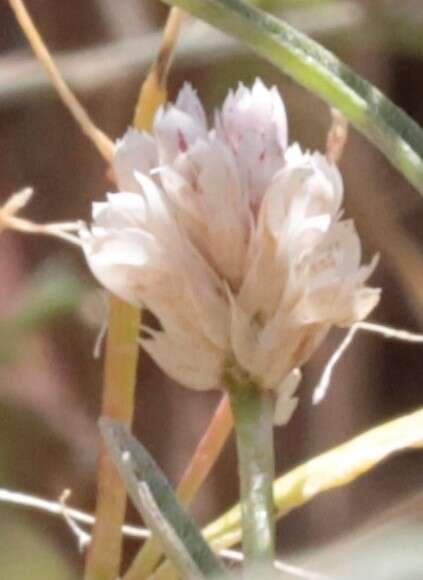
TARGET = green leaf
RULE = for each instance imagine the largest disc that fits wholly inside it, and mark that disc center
(398, 137)
(171, 544)
(151, 492)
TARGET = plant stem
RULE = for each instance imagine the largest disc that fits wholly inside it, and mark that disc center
(104, 556)
(253, 415)
(207, 452)
(103, 559)
(335, 468)
(155, 83)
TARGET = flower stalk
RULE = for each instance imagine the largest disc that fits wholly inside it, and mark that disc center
(253, 409)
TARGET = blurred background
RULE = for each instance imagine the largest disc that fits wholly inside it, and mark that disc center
(51, 310)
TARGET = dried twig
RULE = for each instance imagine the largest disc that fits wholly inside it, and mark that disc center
(16, 202)
(72, 516)
(100, 139)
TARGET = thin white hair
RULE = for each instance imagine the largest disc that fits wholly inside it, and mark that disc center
(323, 385)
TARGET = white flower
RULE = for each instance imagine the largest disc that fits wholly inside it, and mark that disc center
(233, 240)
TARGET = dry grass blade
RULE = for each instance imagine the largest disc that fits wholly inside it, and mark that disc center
(100, 140)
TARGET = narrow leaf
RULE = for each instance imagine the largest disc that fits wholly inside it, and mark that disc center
(138, 470)
(398, 137)
(171, 544)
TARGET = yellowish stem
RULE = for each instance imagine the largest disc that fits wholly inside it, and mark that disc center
(101, 141)
(104, 555)
(207, 452)
(153, 91)
(205, 456)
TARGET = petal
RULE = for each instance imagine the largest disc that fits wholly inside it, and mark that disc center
(253, 123)
(286, 404)
(225, 216)
(341, 305)
(328, 187)
(188, 102)
(119, 210)
(258, 109)
(178, 126)
(364, 301)
(204, 187)
(136, 151)
(286, 343)
(337, 257)
(265, 277)
(120, 262)
(275, 353)
(322, 191)
(190, 287)
(285, 202)
(284, 409)
(189, 360)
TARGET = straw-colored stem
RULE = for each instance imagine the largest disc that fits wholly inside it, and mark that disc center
(155, 83)
(103, 559)
(205, 456)
(207, 452)
(101, 141)
(104, 556)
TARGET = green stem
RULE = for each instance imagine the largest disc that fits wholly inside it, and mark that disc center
(252, 409)
(335, 468)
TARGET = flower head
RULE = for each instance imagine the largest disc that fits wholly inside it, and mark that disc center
(232, 239)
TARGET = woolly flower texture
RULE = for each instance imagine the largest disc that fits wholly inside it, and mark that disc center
(233, 240)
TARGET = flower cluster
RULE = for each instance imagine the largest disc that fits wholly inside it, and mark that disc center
(232, 239)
